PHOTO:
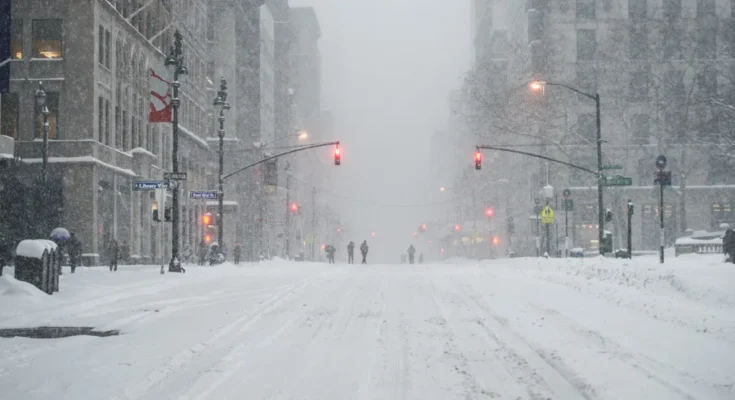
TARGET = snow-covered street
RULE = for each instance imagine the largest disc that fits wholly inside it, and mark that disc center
(506, 329)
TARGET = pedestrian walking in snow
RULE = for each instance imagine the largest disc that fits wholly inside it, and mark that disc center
(236, 252)
(125, 252)
(202, 254)
(330, 250)
(351, 253)
(364, 251)
(421, 258)
(728, 245)
(113, 253)
(74, 249)
(411, 252)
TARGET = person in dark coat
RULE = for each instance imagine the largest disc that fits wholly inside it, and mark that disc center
(411, 252)
(74, 249)
(330, 250)
(4, 253)
(728, 245)
(202, 252)
(113, 254)
(351, 253)
(364, 251)
(236, 253)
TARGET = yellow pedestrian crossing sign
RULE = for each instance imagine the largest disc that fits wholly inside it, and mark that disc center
(547, 215)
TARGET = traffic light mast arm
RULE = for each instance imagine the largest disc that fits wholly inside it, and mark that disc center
(498, 148)
(308, 147)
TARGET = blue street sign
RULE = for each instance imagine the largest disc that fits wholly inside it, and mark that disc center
(150, 185)
(203, 194)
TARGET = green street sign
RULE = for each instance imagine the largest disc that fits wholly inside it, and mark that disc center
(569, 205)
(615, 166)
(618, 181)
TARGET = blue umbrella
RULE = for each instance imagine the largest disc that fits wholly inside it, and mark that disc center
(60, 234)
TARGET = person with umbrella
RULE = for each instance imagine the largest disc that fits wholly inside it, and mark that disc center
(74, 249)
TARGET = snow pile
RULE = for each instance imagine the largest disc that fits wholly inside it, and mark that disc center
(34, 248)
(15, 293)
(696, 292)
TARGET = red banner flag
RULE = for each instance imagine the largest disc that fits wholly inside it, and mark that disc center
(160, 103)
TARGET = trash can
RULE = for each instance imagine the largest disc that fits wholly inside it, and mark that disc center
(35, 262)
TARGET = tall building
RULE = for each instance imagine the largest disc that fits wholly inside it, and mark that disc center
(93, 58)
(664, 71)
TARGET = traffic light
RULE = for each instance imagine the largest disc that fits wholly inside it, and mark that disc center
(608, 216)
(496, 240)
(489, 212)
(457, 228)
(295, 209)
(207, 239)
(373, 234)
(154, 211)
(478, 160)
(167, 214)
(423, 227)
(207, 220)
(337, 156)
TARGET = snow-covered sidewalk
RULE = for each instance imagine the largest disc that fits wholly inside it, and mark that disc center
(506, 329)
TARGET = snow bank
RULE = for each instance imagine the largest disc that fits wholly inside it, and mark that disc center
(34, 248)
(690, 240)
(16, 293)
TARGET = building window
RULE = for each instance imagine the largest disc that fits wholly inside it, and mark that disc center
(672, 43)
(585, 9)
(587, 126)
(638, 42)
(108, 44)
(16, 39)
(672, 8)
(637, 9)
(123, 139)
(705, 8)
(586, 44)
(639, 82)
(47, 35)
(641, 129)
(706, 80)
(107, 122)
(9, 114)
(101, 119)
(52, 102)
(101, 47)
(673, 85)
(706, 47)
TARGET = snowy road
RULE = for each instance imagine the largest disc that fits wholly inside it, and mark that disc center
(508, 329)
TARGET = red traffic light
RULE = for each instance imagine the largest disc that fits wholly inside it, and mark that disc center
(489, 212)
(423, 227)
(294, 208)
(457, 228)
(207, 219)
(337, 156)
(478, 160)
(373, 234)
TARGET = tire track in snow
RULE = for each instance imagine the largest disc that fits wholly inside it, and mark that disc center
(545, 379)
(364, 390)
(641, 363)
(185, 357)
(457, 343)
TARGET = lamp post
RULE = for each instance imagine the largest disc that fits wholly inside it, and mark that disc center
(40, 96)
(175, 65)
(221, 104)
(539, 86)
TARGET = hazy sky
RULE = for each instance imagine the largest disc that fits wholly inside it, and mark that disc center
(387, 69)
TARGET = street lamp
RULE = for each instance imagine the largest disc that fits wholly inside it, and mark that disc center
(175, 66)
(221, 104)
(539, 86)
(41, 103)
(300, 134)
